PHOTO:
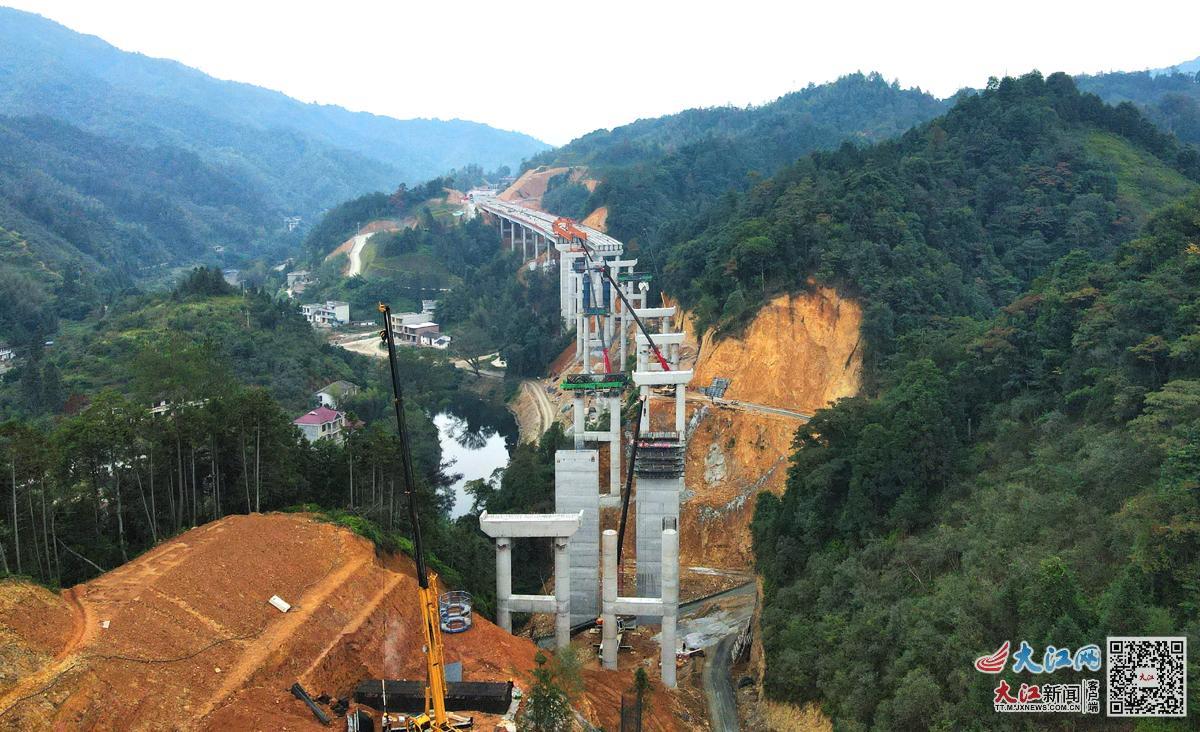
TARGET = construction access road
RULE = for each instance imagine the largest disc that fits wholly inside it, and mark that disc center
(749, 406)
(360, 242)
(545, 409)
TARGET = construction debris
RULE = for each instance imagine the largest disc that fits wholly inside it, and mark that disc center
(299, 692)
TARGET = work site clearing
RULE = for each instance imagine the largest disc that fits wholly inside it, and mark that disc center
(183, 637)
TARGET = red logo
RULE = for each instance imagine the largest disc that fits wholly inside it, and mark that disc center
(994, 663)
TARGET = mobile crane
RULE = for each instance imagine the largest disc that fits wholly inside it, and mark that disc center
(434, 717)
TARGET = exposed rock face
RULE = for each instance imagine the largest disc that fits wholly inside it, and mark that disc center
(801, 352)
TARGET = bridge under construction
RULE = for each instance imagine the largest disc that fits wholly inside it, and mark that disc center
(603, 296)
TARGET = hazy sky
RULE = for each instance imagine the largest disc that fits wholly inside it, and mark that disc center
(559, 69)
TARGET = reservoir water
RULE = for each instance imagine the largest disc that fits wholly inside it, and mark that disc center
(476, 442)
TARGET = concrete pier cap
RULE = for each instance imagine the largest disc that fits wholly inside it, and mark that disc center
(530, 525)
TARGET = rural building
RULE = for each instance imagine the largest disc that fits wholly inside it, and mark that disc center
(321, 423)
(335, 392)
(328, 314)
(412, 334)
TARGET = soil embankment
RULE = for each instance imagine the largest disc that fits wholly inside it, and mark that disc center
(532, 185)
(597, 219)
(183, 638)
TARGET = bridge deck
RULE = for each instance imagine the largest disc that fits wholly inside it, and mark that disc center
(543, 223)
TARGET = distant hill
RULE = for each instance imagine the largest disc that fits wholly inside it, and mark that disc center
(1170, 100)
(303, 157)
(661, 174)
(1187, 67)
(83, 216)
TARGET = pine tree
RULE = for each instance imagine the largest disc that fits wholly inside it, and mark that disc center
(547, 708)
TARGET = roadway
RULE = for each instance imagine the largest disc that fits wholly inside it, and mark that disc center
(545, 408)
(370, 346)
(749, 406)
(360, 241)
(718, 688)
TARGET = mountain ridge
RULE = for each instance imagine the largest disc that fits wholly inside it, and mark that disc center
(46, 68)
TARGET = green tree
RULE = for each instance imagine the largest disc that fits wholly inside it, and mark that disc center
(547, 707)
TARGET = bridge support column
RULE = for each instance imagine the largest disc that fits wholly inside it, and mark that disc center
(503, 583)
(562, 593)
(524, 247)
(580, 421)
(614, 446)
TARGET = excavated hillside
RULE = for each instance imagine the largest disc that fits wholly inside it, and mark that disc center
(531, 186)
(800, 352)
(597, 219)
(183, 637)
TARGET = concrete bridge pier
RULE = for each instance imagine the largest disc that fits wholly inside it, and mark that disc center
(665, 606)
(557, 526)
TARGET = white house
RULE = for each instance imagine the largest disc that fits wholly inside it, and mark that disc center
(335, 392)
(321, 423)
(329, 314)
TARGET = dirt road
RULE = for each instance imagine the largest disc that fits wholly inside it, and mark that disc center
(749, 407)
(367, 346)
(355, 267)
(545, 409)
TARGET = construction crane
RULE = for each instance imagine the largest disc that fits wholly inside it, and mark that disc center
(434, 718)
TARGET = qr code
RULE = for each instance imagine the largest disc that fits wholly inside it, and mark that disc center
(1147, 677)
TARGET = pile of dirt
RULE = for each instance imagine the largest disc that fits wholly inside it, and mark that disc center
(183, 636)
(800, 352)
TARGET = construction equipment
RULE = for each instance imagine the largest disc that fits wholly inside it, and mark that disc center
(637, 431)
(434, 717)
(565, 228)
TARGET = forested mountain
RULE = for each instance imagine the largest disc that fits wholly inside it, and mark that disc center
(234, 369)
(82, 216)
(1171, 99)
(1187, 67)
(956, 217)
(1023, 463)
(300, 157)
(659, 174)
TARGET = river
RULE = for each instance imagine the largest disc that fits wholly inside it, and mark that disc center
(475, 437)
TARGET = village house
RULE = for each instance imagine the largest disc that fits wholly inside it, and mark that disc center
(321, 423)
(330, 395)
(327, 314)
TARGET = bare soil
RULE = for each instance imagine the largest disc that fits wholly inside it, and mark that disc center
(530, 187)
(597, 219)
(800, 352)
(193, 644)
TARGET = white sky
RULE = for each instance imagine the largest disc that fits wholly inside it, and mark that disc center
(558, 69)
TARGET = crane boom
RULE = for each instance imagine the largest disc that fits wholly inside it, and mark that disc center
(434, 716)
